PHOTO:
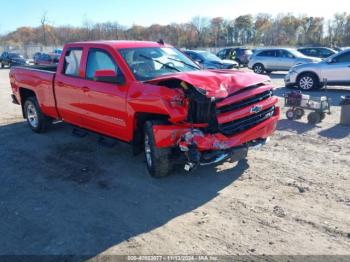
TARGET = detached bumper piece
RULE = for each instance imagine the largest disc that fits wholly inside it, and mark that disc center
(236, 154)
(14, 100)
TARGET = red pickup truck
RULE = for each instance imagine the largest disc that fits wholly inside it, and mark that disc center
(153, 96)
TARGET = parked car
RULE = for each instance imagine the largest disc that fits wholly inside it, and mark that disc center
(339, 49)
(208, 60)
(36, 56)
(334, 70)
(12, 59)
(152, 96)
(320, 52)
(239, 54)
(45, 59)
(277, 59)
(57, 52)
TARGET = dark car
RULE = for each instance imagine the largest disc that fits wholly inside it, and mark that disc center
(240, 54)
(12, 59)
(320, 52)
(208, 60)
(45, 59)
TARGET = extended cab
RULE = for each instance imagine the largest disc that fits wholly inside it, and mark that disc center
(152, 96)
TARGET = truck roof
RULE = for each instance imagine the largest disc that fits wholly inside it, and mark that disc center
(119, 44)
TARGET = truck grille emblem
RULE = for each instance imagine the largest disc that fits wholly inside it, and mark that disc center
(256, 109)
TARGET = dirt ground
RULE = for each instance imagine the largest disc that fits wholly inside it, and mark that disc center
(60, 194)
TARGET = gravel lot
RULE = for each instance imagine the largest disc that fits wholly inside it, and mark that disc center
(60, 194)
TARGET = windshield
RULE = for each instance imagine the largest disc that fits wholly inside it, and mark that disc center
(14, 55)
(209, 56)
(296, 53)
(151, 62)
(248, 52)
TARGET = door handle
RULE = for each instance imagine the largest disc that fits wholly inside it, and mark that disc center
(85, 89)
(60, 84)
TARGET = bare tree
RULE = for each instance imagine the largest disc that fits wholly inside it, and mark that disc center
(43, 22)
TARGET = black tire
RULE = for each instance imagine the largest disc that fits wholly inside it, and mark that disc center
(290, 114)
(258, 68)
(299, 112)
(308, 82)
(322, 116)
(314, 118)
(2, 65)
(36, 120)
(159, 164)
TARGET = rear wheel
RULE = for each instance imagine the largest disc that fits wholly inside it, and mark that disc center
(157, 159)
(36, 120)
(314, 118)
(299, 113)
(258, 68)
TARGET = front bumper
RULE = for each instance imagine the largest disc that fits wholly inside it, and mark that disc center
(290, 79)
(170, 136)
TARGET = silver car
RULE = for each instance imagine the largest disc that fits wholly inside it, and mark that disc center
(277, 59)
(334, 70)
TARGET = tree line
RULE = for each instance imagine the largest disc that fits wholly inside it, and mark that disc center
(259, 30)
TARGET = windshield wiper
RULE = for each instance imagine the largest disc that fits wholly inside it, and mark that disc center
(164, 64)
(182, 62)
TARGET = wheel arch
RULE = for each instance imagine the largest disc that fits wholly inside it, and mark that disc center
(140, 118)
(308, 72)
(24, 93)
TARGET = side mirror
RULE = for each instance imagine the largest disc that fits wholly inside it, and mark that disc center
(108, 76)
(198, 60)
(330, 61)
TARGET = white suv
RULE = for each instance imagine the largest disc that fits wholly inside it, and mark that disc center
(334, 70)
(277, 59)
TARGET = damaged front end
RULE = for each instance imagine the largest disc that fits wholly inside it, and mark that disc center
(221, 122)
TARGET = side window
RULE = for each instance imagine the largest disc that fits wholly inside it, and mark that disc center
(222, 53)
(99, 60)
(268, 53)
(285, 54)
(343, 58)
(325, 52)
(72, 61)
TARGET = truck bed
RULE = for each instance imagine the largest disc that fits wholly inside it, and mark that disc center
(40, 80)
(49, 68)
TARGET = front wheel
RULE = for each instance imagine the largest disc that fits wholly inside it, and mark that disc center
(258, 68)
(307, 82)
(157, 159)
(36, 120)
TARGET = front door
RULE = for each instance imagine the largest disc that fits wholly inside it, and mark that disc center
(285, 60)
(104, 103)
(337, 70)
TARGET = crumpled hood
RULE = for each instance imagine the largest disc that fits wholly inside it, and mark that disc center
(216, 83)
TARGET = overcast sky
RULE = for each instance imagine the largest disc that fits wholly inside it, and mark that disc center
(16, 13)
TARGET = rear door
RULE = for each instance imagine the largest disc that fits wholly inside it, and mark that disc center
(69, 87)
(104, 103)
(338, 70)
(269, 59)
